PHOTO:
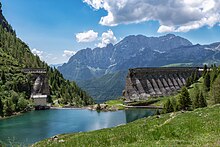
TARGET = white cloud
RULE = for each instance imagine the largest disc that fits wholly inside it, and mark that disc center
(68, 53)
(107, 38)
(37, 52)
(173, 15)
(164, 29)
(94, 3)
(89, 36)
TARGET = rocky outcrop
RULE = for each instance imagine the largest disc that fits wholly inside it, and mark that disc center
(142, 83)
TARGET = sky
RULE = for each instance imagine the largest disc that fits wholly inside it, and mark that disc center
(56, 29)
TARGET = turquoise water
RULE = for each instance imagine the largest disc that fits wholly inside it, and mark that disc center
(34, 126)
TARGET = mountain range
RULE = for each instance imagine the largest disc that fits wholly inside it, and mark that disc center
(97, 67)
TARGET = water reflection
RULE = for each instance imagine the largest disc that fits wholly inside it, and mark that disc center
(134, 114)
(38, 125)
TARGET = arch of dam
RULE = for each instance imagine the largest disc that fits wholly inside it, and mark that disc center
(40, 89)
(142, 83)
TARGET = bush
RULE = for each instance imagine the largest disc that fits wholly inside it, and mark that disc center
(23, 104)
(9, 107)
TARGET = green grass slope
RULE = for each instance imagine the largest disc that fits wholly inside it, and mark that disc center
(192, 128)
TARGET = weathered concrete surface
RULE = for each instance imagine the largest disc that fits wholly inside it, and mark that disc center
(142, 83)
(40, 80)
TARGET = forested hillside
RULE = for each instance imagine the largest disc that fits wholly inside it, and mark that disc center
(107, 87)
(15, 87)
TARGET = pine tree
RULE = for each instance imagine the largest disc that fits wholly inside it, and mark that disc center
(202, 101)
(215, 91)
(195, 76)
(168, 107)
(205, 69)
(189, 81)
(184, 99)
(196, 100)
(207, 82)
(214, 73)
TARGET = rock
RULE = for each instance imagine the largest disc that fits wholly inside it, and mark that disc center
(61, 141)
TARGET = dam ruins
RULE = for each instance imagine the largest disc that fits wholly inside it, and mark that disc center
(142, 83)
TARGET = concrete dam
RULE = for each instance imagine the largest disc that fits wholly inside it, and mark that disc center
(142, 83)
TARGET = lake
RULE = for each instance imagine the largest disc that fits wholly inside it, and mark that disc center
(34, 126)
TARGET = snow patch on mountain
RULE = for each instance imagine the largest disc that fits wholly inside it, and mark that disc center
(161, 52)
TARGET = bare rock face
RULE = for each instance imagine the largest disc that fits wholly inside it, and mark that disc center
(133, 51)
(142, 83)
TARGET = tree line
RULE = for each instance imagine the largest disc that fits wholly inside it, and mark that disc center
(202, 93)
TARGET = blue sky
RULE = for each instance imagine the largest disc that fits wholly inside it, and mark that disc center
(51, 27)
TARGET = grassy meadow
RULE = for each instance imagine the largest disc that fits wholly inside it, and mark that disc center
(191, 128)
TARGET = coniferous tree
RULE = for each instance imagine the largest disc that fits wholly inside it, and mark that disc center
(207, 82)
(168, 107)
(184, 99)
(215, 91)
(205, 69)
(189, 81)
(195, 76)
(214, 73)
(196, 100)
(202, 101)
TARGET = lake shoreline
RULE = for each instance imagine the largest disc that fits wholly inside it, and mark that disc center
(34, 126)
(63, 108)
(14, 115)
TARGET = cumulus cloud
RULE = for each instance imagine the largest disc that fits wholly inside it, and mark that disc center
(37, 52)
(107, 38)
(94, 3)
(89, 36)
(173, 15)
(68, 53)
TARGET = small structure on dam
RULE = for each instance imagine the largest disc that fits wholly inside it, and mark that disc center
(40, 90)
(142, 83)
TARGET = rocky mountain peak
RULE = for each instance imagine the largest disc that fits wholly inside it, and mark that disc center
(132, 51)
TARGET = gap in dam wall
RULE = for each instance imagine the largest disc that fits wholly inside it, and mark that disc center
(142, 83)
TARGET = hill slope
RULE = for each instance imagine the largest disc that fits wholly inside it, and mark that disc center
(106, 87)
(194, 128)
(15, 87)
